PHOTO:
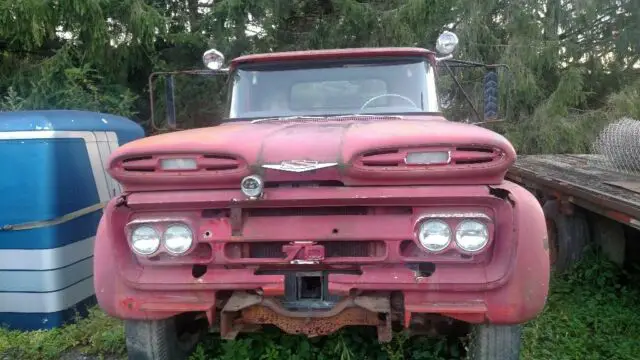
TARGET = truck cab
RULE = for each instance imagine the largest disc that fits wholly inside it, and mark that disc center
(334, 193)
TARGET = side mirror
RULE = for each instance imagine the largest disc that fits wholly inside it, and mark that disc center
(446, 45)
(490, 86)
(213, 59)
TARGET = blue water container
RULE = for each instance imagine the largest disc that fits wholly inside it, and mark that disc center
(53, 186)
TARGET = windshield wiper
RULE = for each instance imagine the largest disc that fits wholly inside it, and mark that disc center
(366, 116)
(296, 117)
(334, 117)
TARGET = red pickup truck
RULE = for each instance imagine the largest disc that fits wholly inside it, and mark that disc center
(335, 193)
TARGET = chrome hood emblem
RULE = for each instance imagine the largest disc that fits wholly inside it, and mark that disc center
(299, 165)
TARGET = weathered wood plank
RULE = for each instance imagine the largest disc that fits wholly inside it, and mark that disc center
(581, 176)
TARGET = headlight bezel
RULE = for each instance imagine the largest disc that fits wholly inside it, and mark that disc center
(453, 219)
(161, 225)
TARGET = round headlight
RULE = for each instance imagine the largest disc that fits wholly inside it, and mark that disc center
(145, 240)
(472, 235)
(178, 239)
(252, 186)
(434, 235)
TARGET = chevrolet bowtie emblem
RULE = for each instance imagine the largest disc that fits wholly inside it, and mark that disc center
(299, 165)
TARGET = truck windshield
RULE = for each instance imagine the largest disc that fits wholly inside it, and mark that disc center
(328, 88)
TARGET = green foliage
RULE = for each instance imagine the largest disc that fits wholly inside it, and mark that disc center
(96, 334)
(565, 58)
(64, 82)
(591, 314)
(351, 344)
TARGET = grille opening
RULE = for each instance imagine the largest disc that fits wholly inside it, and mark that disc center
(138, 158)
(222, 167)
(220, 162)
(198, 271)
(215, 213)
(302, 184)
(266, 270)
(379, 163)
(126, 168)
(408, 248)
(473, 161)
(310, 211)
(377, 158)
(423, 269)
(202, 251)
(221, 157)
(309, 288)
(380, 152)
(265, 250)
(475, 149)
(332, 249)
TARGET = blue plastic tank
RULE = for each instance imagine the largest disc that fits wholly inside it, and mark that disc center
(53, 185)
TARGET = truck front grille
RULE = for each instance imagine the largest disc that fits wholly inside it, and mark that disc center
(333, 249)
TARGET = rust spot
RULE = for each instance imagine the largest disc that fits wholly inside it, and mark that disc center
(236, 219)
(310, 326)
(245, 310)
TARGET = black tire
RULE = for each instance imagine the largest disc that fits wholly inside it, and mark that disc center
(162, 339)
(568, 235)
(495, 342)
(610, 236)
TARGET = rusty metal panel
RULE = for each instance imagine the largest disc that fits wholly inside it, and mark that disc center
(311, 326)
(245, 311)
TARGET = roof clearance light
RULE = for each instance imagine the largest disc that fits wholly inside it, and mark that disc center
(447, 43)
(428, 158)
(213, 59)
(178, 164)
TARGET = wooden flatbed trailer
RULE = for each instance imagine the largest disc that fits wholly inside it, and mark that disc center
(583, 200)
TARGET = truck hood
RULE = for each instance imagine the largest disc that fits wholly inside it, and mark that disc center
(350, 151)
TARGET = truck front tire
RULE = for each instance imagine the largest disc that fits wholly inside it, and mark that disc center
(168, 339)
(492, 342)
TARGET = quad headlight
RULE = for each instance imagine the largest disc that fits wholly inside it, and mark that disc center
(177, 239)
(472, 235)
(469, 232)
(145, 240)
(434, 235)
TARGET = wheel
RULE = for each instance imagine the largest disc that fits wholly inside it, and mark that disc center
(169, 339)
(568, 236)
(610, 236)
(492, 342)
